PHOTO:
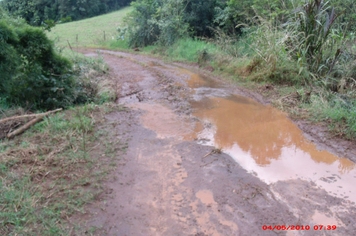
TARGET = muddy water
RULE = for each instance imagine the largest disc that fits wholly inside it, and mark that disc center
(265, 142)
(164, 122)
(198, 80)
(320, 218)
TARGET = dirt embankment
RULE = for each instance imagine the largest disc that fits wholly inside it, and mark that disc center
(176, 181)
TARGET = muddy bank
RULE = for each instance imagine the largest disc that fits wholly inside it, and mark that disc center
(268, 174)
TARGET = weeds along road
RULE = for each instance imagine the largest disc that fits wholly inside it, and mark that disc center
(205, 158)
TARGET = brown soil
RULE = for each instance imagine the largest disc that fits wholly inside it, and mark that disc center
(269, 171)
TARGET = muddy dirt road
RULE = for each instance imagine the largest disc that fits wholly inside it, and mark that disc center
(205, 158)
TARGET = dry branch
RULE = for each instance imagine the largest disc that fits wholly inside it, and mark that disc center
(28, 116)
(132, 93)
(24, 127)
(209, 162)
(29, 124)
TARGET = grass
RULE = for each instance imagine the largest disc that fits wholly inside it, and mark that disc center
(338, 113)
(94, 72)
(90, 31)
(51, 172)
(188, 49)
(115, 44)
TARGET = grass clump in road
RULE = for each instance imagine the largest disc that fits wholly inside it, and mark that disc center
(50, 173)
(89, 32)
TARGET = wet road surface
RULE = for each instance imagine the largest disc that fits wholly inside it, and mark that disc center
(268, 173)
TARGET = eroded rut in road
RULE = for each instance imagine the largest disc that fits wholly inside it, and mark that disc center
(267, 174)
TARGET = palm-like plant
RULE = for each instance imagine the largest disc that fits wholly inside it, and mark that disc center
(313, 24)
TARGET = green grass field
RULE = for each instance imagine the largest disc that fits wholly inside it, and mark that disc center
(90, 31)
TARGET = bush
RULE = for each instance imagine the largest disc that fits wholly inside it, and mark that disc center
(8, 58)
(199, 14)
(311, 29)
(141, 32)
(241, 12)
(33, 74)
(165, 21)
(42, 78)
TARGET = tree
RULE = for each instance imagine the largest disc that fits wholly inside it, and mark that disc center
(199, 14)
(35, 12)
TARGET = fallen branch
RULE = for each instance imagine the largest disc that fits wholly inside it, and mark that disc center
(28, 116)
(29, 124)
(132, 93)
(209, 162)
(24, 127)
(216, 150)
(210, 153)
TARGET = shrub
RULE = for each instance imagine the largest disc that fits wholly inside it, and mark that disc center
(165, 21)
(33, 73)
(240, 12)
(43, 78)
(312, 28)
(141, 32)
(9, 61)
(199, 14)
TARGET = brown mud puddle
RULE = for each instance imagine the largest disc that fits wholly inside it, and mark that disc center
(265, 142)
(199, 80)
(164, 122)
(321, 219)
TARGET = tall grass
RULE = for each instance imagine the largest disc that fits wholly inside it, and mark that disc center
(190, 49)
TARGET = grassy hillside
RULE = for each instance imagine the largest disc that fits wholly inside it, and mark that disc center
(89, 31)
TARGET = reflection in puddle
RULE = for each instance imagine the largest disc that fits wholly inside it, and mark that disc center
(321, 219)
(199, 80)
(262, 140)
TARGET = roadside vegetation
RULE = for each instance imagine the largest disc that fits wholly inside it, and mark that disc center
(35, 75)
(300, 53)
(49, 173)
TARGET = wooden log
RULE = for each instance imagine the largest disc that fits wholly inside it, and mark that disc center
(24, 127)
(29, 124)
(29, 116)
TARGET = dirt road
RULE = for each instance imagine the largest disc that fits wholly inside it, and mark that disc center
(205, 158)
